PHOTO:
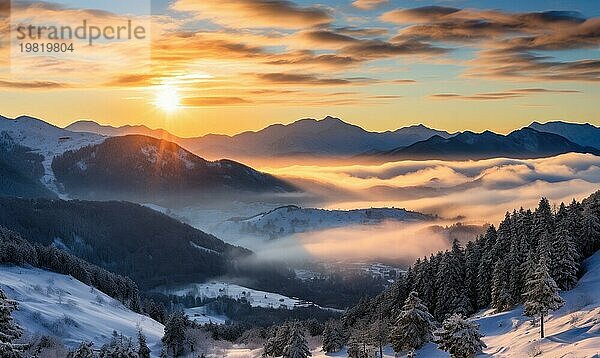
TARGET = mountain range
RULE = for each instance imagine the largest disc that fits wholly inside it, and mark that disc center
(306, 137)
(519, 144)
(333, 137)
(38, 159)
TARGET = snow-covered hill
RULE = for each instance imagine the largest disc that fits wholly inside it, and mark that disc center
(292, 219)
(47, 140)
(61, 306)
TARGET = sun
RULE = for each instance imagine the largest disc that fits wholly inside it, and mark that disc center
(167, 98)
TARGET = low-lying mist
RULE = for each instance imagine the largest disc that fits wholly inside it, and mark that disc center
(474, 193)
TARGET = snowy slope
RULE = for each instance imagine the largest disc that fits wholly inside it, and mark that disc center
(572, 331)
(61, 306)
(47, 140)
(291, 219)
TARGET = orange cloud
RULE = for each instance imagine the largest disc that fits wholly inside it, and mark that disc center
(255, 13)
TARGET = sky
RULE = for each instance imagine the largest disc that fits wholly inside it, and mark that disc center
(226, 66)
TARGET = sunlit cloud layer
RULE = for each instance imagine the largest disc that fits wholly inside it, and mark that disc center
(479, 191)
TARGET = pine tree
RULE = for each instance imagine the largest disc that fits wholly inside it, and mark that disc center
(451, 295)
(359, 345)
(143, 350)
(85, 350)
(459, 337)
(120, 347)
(297, 346)
(276, 343)
(542, 293)
(472, 260)
(174, 337)
(333, 337)
(564, 269)
(501, 294)
(486, 267)
(9, 331)
(590, 235)
(414, 325)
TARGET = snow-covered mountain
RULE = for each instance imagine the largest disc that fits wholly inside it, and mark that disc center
(133, 167)
(46, 140)
(582, 134)
(61, 306)
(292, 219)
(306, 137)
(110, 131)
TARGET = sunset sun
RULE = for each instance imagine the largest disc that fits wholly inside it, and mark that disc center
(167, 98)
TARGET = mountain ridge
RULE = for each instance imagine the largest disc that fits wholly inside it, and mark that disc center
(524, 143)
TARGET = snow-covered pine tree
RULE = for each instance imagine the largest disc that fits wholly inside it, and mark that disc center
(276, 343)
(9, 331)
(590, 235)
(333, 337)
(297, 346)
(501, 294)
(85, 350)
(486, 267)
(120, 346)
(143, 350)
(459, 337)
(414, 325)
(472, 259)
(379, 333)
(564, 268)
(174, 336)
(541, 294)
(451, 295)
(359, 345)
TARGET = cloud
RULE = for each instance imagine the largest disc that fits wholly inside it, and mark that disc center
(493, 96)
(419, 14)
(374, 49)
(212, 101)
(368, 4)
(255, 13)
(509, 43)
(307, 79)
(481, 191)
(33, 84)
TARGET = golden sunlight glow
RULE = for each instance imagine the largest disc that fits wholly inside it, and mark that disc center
(167, 98)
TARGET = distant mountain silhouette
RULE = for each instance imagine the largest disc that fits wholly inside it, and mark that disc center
(582, 134)
(306, 137)
(523, 143)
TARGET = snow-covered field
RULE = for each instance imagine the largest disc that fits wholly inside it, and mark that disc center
(61, 306)
(255, 298)
(47, 140)
(291, 219)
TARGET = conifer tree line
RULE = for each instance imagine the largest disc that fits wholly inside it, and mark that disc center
(18, 251)
(527, 259)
